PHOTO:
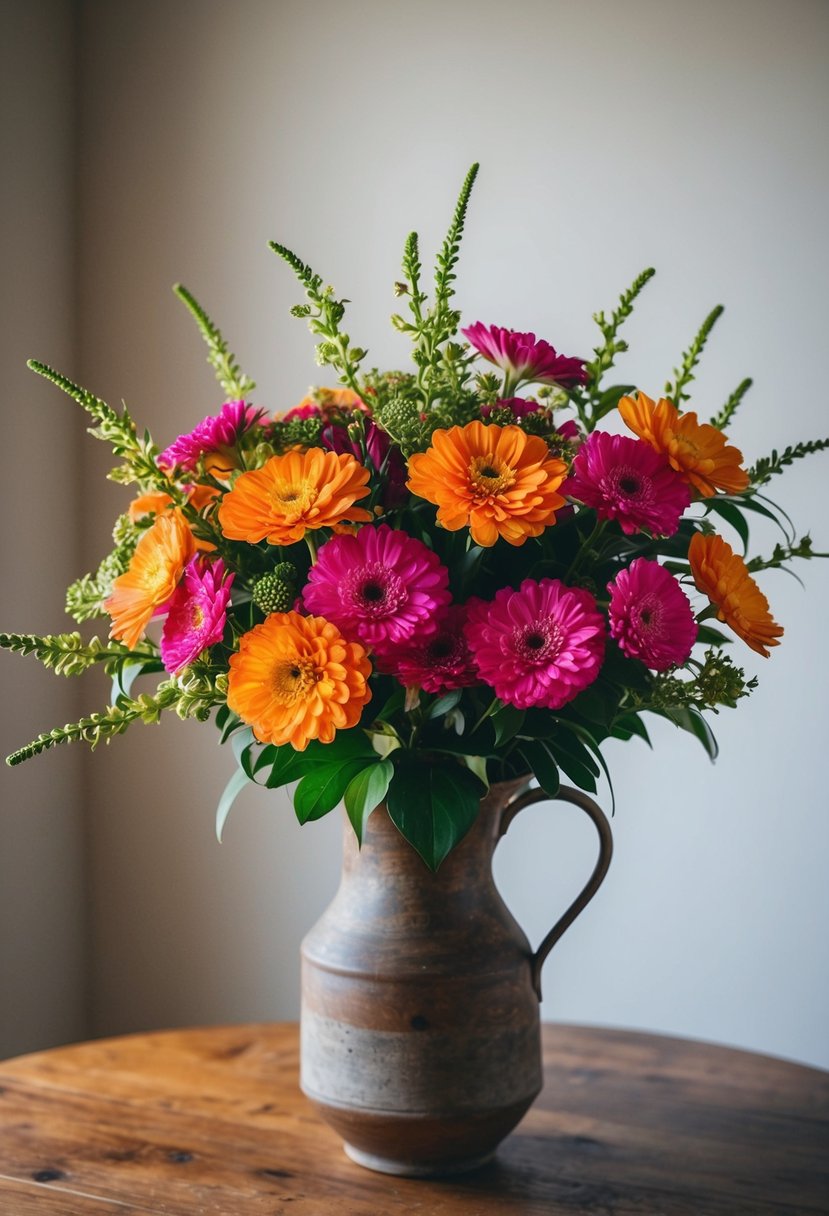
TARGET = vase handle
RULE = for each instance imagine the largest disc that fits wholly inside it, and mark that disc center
(594, 811)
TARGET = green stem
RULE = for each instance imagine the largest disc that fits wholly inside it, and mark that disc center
(578, 560)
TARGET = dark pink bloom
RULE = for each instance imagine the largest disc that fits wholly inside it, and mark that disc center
(524, 357)
(438, 663)
(520, 406)
(626, 480)
(537, 646)
(309, 410)
(384, 455)
(197, 612)
(569, 430)
(651, 616)
(380, 586)
(216, 433)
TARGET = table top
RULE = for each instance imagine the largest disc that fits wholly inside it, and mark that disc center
(211, 1121)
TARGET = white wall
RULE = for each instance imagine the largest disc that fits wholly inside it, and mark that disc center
(41, 839)
(611, 137)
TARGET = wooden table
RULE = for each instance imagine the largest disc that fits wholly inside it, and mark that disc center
(211, 1122)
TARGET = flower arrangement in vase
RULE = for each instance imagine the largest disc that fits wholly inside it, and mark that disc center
(423, 584)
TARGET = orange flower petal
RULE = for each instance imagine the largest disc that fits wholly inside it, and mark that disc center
(293, 493)
(295, 678)
(496, 480)
(153, 574)
(723, 576)
(698, 451)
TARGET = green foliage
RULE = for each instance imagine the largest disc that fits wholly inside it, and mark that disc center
(715, 682)
(434, 804)
(324, 313)
(85, 597)
(67, 653)
(443, 366)
(612, 345)
(767, 467)
(138, 452)
(230, 376)
(189, 695)
(684, 374)
(365, 792)
(721, 420)
(781, 554)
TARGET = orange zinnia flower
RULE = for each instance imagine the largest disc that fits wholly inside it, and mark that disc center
(497, 479)
(723, 576)
(294, 493)
(296, 678)
(153, 574)
(697, 450)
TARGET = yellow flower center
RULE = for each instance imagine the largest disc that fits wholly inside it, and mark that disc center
(196, 616)
(489, 476)
(294, 679)
(293, 498)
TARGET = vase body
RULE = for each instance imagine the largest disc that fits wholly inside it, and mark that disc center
(420, 1034)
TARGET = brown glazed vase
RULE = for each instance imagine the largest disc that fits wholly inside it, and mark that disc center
(420, 1034)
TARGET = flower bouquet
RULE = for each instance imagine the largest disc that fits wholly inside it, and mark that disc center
(425, 581)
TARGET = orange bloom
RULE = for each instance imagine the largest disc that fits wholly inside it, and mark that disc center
(156, 501)
(723, 576)
(697, 450)
(296, 678)
(153, 574)
(293, 493)
(497, 479)
(149, 504)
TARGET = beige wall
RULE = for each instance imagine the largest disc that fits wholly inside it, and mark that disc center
(42, 903)
(612, 137)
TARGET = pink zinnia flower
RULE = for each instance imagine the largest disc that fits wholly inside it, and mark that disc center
(381, 587)
(626, 480)
(523, 357)
(651, 616)
(537, 646)
(216, 433)
(196, 613)
(440, 662)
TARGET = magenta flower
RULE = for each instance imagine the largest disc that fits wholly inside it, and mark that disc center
(523, 357)
(651, 616)
(626, 480)
(537, 646)
(196, 613)
(216, 433)
(440, 662)
(381, 587)
(306, 409)
(384, 455)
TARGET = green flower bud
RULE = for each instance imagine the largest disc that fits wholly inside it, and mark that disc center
(274, 594)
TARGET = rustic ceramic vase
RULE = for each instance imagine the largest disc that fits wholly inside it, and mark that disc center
(420, 1034)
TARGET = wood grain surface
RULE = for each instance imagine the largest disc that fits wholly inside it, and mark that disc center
(211, 1121)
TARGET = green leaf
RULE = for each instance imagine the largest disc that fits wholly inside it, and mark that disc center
(236, 783)
(731, 513)
(507, 722)
(365, 792)
(712, 637)
(538, 756)
(432, 803)
(632, 724)
(444, 704)
(569, 750)
(320, 790)
(690, 719)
